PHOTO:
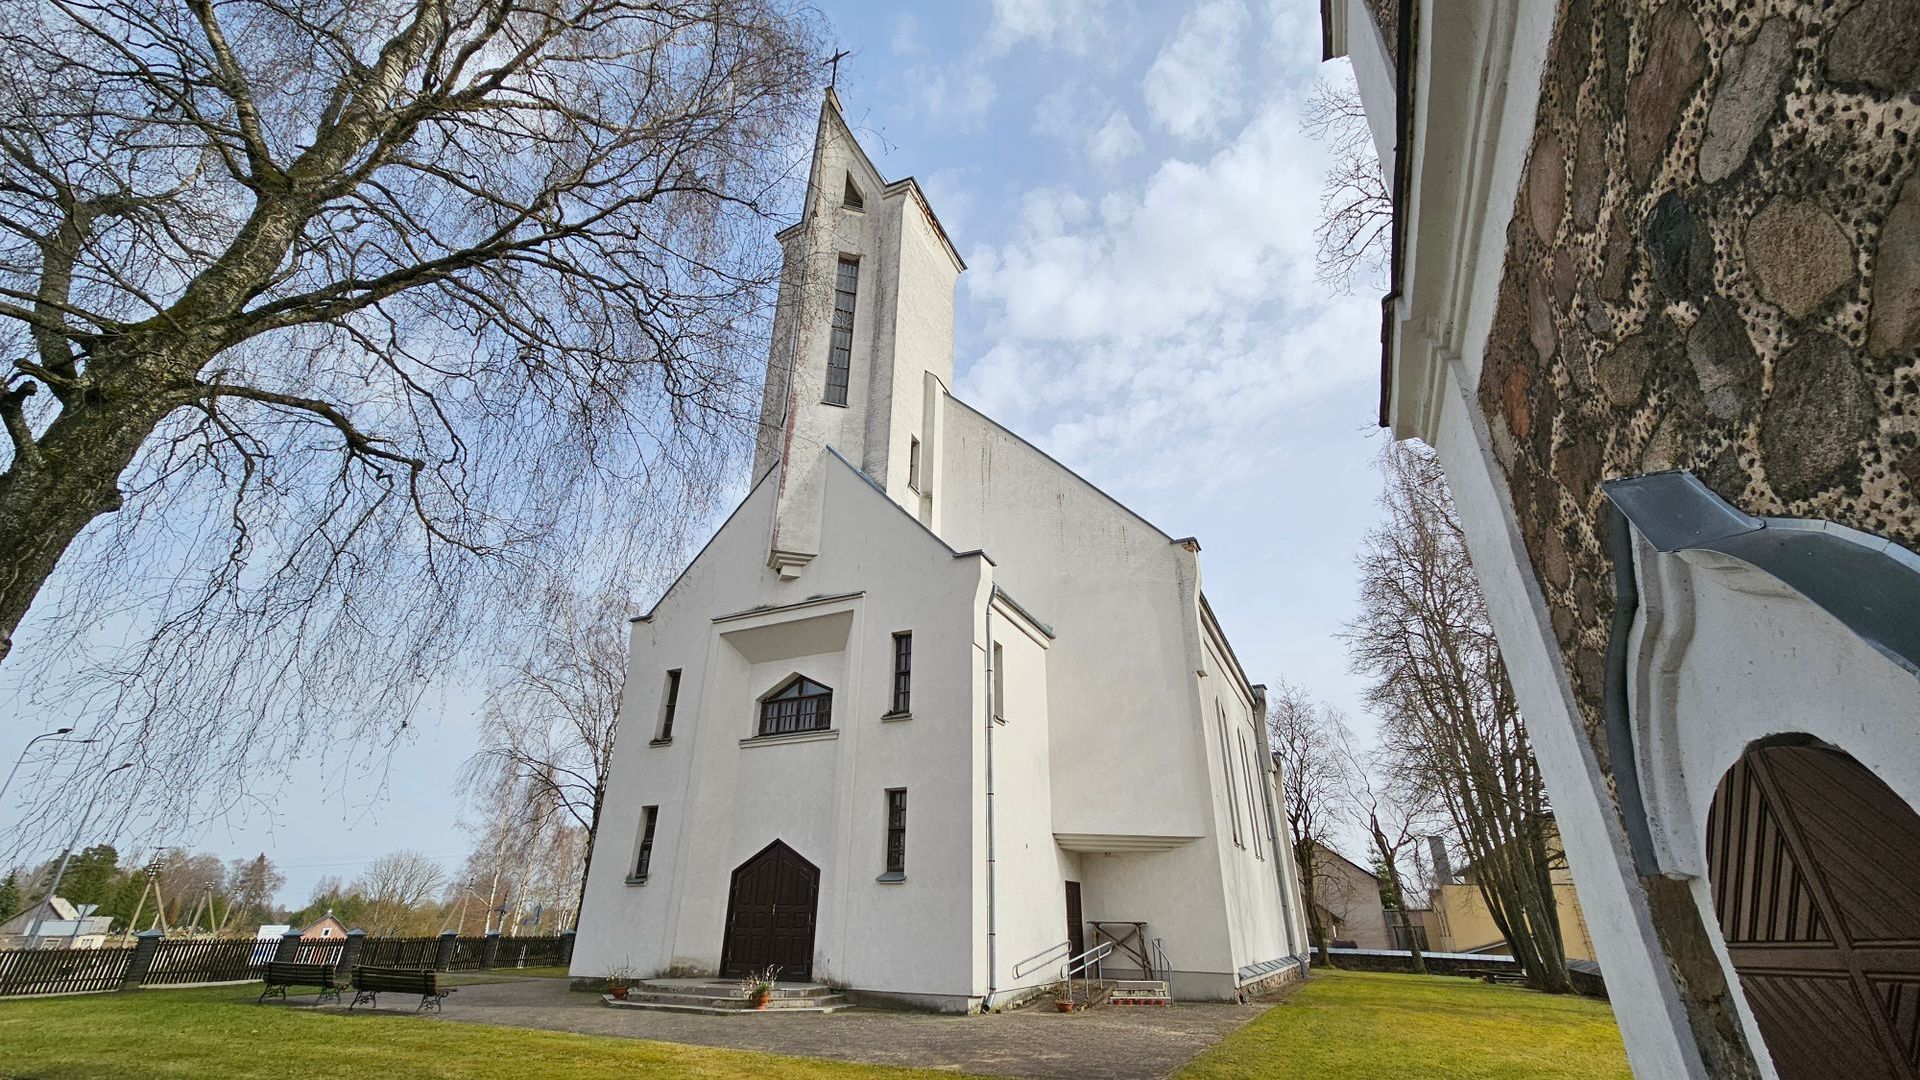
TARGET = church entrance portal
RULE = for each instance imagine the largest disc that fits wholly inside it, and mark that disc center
(1815, 866)
(771, 911)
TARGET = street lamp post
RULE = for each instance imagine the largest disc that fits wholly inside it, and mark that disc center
(33, 935)
(8, 782)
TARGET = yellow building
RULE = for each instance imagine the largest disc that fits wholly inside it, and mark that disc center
(1460, 921)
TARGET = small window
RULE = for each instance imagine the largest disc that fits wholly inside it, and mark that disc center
(840, 350)
(999, 684)
(896, 830)
(1226, 767)
(902, 671)
(649, 815)
(666, 710)
(913, 464)
(800, 705)
(851, 197)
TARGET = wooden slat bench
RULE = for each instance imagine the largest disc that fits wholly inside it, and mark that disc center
(1501, 976)
(284, 974)
(370, 982)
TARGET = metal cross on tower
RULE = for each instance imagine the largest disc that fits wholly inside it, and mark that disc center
(833, 62)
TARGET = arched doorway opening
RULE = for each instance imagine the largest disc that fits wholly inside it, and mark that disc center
(771, 910)
(1815, 868)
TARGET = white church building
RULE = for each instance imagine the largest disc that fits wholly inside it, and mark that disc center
(930, 714)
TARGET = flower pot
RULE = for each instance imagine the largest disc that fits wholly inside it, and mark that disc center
(1063, 1006)
(760, 1000)
(619, 992)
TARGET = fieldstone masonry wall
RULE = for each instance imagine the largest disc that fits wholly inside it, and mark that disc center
(1713, 264)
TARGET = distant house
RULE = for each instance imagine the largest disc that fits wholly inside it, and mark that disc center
(325, 928)
(1347, 896)
(1462, 923)
(58, 924)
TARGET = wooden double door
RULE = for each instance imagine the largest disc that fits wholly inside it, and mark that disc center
(772, 907)
(1815, 867)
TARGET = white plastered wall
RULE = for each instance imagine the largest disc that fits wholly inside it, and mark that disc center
(721, 801)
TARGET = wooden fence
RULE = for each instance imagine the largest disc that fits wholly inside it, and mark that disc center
(186, 961)
(56, 971)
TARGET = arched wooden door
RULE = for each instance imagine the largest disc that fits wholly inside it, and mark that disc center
(771, 910)
(1815, 866)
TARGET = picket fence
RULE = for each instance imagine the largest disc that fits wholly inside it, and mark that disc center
(157, 961)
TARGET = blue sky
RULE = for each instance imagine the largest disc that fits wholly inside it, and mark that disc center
(1135, 201)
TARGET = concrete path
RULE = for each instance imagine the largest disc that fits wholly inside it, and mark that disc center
(1035, 1042)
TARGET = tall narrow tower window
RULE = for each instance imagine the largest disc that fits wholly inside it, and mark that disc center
(840, 355)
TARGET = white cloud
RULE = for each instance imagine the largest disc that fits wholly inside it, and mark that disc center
(905, 39)
(955, 95)
(1152, 328)
(1079, 116)
(1072, 25)
(1193, 88)
(1114, 141)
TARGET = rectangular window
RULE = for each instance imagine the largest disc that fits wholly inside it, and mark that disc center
(1226, 767)
(648, 816)
(999, 684)
(666, 710)
(902, 671)
(896, 830)
(913, 463)
(1253, 805)
(840, 352)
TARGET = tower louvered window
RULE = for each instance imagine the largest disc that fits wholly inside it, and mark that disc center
(840, 354)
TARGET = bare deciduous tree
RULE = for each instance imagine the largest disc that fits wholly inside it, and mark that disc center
(324, 323)
(1392, 825)
(1451, 732)
(1316, 771)
(397, 887)
(549, 728)
(1356, 206)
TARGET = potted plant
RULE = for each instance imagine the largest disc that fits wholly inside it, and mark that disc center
(1063, 997)
(619, 980)
(757, 986)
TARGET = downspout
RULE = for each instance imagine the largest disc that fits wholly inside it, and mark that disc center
(993, 961)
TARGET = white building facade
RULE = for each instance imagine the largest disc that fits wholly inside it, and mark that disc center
(930, 714)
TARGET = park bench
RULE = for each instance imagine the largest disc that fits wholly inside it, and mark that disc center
(1496, 975)
(370, 982)
(282, 974)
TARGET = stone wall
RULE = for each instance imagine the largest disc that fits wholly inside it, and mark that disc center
(1713, 264)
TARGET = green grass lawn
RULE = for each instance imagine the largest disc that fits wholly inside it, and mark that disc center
(1342, 1024)
(220, 1032)
(1359, 1026)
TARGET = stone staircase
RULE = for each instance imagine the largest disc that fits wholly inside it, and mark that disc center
(1133, 992)
(724, 997)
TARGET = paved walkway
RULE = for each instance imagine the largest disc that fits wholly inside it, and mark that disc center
(1034, 1042)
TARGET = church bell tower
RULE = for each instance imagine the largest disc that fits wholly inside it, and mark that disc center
(862, 348)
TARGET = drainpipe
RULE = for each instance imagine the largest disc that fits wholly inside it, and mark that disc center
(993, 963)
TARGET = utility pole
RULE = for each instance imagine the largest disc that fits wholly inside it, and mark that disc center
(33, 935)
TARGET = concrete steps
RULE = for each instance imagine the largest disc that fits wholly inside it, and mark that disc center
(1138, 992)
(724, 997)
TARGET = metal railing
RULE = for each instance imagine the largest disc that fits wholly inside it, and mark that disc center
(1032, 963)
(1080, 965)
(1162, 967)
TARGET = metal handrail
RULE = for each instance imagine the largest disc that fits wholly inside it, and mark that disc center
(1043, 954)
(1086, 961)
(1161, 964)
